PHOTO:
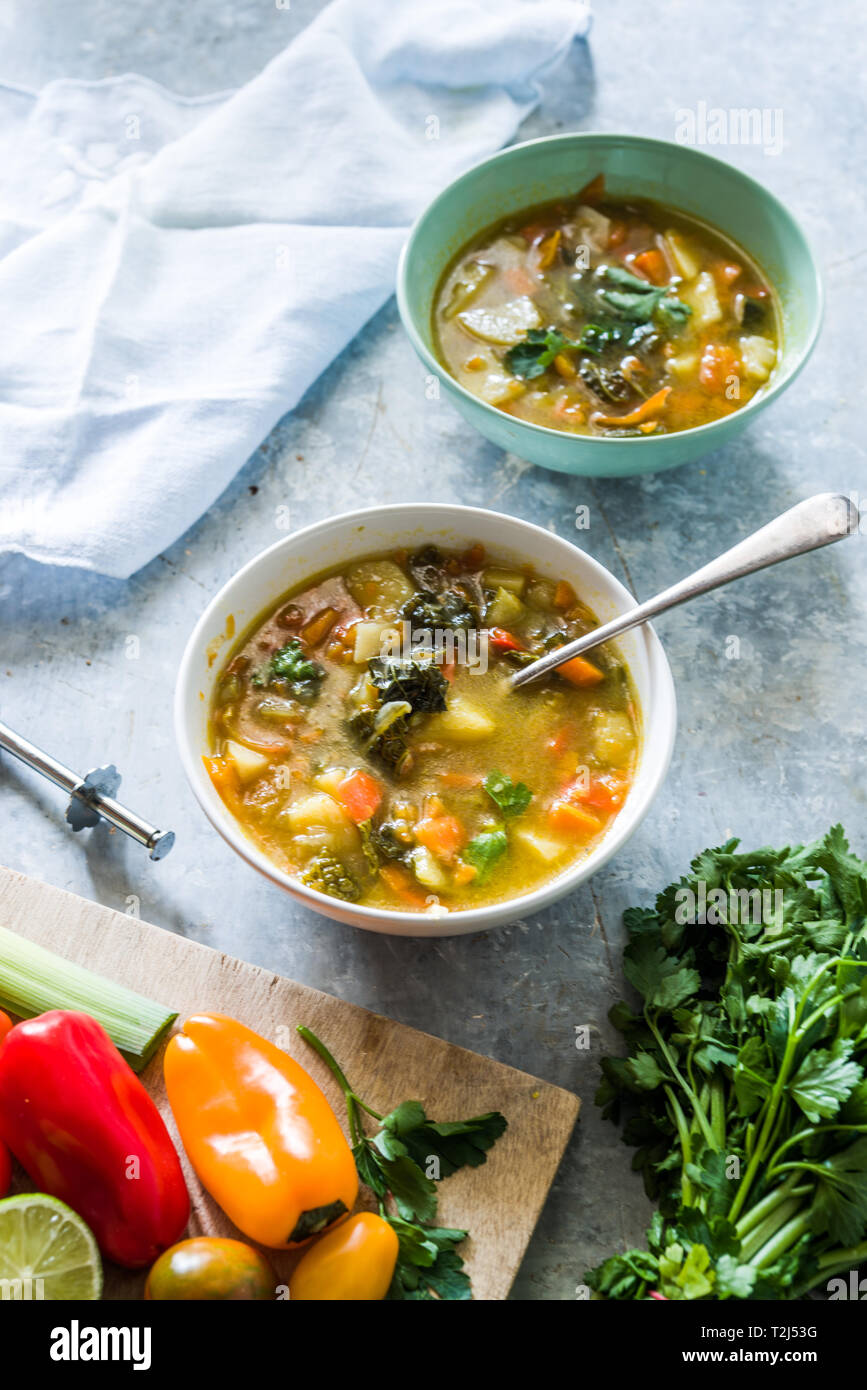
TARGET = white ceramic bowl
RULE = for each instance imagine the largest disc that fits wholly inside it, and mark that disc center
(300, 556)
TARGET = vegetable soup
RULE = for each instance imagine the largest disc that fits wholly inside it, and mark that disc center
(365, 736)
(607, 318)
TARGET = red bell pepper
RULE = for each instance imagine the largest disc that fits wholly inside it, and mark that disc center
(5, 1169)
(80, 1122)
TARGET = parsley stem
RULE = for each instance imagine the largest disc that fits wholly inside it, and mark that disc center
(785, 1237)
(684, 1085)
(353, 1101)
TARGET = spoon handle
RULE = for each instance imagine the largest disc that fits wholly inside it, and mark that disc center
(820, 520)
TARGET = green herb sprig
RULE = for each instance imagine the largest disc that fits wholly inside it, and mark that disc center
(402, 1163)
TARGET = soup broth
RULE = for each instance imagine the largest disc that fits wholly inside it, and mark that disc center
(364, 734)
(607, 318)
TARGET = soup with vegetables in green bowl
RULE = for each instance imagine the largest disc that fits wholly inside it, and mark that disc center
(606, 317)
(364, 735)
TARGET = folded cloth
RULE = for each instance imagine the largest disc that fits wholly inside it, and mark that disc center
(174, 274)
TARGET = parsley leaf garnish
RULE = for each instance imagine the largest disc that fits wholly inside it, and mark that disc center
(512, 798)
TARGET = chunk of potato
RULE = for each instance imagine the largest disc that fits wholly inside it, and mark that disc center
(427, 870)
(497, 388)
(504, 325)
(320, 822)
(702, 298)
(462, 722)
(759, 357)
(685, 364)
(613, 738)
(682, 253)
(381, 583)
(248, 764)
(505, 608)
(369, 638)
(542, 846)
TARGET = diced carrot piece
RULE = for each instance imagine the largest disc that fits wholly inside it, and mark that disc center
(571, 819)
(474, 558)
(464, 874)
(319, 626)
(561, 741)
(604, 793)
(519, 280)
(461, 781)
(578, 671)
(726, 272)
(718, 365)
(564, 366)
(564, 595)
(399, 880)
(448, 669)
(651, 263)
(442, 835)
(535, 231)
(359, 794)
(617, 235)
(594, 191)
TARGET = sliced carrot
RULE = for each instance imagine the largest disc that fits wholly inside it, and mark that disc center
(401, 883)
(464, 874)
(319, 626)
(652, 406)
(503, 641)
(652, 264)
(359, 794)
(564, 595)
(564, 366)
(224, 775)
(548, 250)
(581, 672)
(461, 781)
(571, 819)
(594, 191)
(442, 835)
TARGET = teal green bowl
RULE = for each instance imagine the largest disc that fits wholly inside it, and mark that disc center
(634, 166)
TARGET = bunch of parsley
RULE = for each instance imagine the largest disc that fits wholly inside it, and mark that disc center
(402, 1164)
(744, 1090)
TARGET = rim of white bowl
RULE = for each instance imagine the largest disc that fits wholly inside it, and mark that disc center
(657, 748)
(757, 402)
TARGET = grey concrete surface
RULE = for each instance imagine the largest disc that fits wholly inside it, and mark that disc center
(771, 745)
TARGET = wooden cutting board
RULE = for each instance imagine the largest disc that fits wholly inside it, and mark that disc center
(499, 1203)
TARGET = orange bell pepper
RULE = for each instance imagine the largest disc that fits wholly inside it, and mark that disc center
(259, 1132)
(352, 1264)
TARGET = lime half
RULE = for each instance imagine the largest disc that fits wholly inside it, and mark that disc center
(46, 1251)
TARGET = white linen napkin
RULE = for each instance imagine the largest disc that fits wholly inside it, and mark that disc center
(174, 274)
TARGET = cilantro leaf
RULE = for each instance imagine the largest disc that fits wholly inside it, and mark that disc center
(484, 850)
(512, 798)
(535, 352)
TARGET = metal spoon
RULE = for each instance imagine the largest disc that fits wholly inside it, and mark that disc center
(821, 520)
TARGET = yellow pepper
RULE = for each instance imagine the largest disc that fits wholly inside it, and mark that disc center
(354, 1263)
(259, 1132)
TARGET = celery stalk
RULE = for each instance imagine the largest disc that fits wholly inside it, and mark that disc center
(34, 980)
